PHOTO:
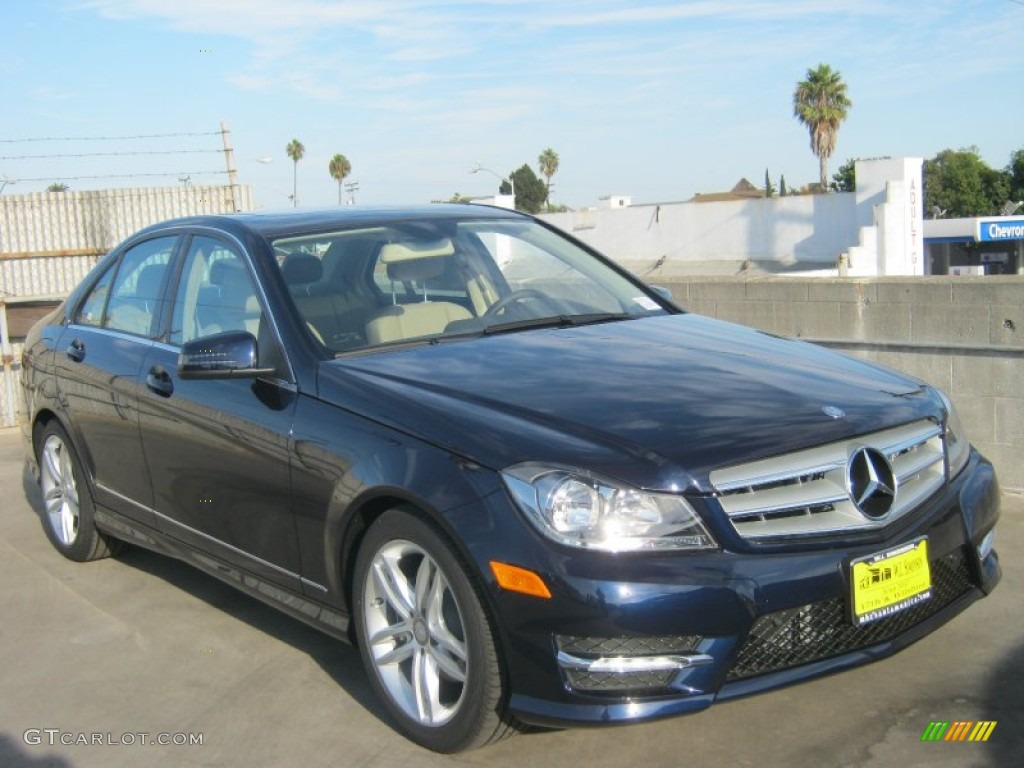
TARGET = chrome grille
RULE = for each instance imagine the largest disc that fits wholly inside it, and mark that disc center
(805, 492)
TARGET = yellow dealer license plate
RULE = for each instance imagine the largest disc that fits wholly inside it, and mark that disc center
(888, 582)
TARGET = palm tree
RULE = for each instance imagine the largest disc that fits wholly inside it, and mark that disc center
(820, 103)
(339, 168)
(548, 161)
(295, 151)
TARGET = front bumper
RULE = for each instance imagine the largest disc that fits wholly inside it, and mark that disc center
(630, 638)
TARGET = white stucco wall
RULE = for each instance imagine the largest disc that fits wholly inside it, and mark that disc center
(807, 230)
(880, 226)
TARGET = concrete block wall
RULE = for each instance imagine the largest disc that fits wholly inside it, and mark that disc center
(965, 335)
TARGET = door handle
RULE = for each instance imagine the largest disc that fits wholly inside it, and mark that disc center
(76, 350)
(159, 381)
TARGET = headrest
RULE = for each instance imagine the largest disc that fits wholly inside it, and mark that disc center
(150, 279)
(224, 271)
(301, 268)
(392, 253)
(416, 269)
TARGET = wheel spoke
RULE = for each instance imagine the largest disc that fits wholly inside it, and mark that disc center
(66, 473)
(54, 502)
(51, 460)
(396, 655)
(392, 584)
(446, 664)
(426, 578)
(391, 633)
(424, 681)
(67, 524)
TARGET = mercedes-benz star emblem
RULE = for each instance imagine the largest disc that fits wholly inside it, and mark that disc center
(870, 482)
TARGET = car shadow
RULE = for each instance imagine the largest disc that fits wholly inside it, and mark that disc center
(14, 755)
(338, 659)
(1004, 704)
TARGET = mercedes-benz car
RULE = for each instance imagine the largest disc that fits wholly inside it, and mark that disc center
(530, 488)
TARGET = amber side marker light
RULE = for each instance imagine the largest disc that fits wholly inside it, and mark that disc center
(516, 579)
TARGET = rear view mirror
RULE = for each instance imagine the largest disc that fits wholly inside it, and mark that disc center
(228, 355)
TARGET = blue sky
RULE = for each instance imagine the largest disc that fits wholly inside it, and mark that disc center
(658, 100)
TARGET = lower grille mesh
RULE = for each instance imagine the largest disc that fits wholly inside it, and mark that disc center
(626, 646)
(822, 630)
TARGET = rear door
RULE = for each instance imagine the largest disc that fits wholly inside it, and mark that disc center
(98, 366)
(218, 449)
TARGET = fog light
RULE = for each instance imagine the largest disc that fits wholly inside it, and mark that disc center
(985, 548)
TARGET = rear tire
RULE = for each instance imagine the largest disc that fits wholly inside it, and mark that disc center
(68, 511)
(425, 639)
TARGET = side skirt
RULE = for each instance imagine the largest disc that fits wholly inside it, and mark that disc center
(326, 619)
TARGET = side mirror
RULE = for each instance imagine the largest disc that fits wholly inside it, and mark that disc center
(665, 293)
(228, 355)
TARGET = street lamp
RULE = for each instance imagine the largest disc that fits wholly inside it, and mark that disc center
(4, 182)
(477, 168)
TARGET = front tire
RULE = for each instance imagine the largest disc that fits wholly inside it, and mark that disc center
(68, 512)
(425, 639)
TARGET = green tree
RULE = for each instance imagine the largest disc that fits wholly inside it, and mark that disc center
(548, 162)
(295, 151)
(58, 186)
(769, 189)
(530, 190)
(961, 184)
(821, 104)
(1015, 176)
(845, 179)
(339, 168)
(782, 186)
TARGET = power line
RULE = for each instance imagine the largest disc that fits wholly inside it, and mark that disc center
(123, 176)
(110, 138)
(114, 154)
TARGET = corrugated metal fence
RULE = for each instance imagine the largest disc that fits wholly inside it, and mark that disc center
(99, 219)
(50, 240)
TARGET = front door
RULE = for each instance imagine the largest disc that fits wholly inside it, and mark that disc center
(218, 449)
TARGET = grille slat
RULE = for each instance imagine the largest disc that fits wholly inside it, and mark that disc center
(805, 493)
(823, 630)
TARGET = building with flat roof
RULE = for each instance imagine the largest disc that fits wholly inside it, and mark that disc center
(983, 245)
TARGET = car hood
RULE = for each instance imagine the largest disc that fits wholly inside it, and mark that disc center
(658, 402)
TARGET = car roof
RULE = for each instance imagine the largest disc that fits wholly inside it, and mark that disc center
(270, 224)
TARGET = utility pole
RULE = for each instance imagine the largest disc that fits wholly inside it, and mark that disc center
(352, 187)
(229, 159)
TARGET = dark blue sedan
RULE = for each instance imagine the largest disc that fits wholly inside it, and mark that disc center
(529, 487)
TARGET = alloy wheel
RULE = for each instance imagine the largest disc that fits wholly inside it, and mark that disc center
(60, 492)
(416, 633)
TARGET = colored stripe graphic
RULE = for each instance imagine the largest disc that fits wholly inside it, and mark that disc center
(958, 730)
(983, 730)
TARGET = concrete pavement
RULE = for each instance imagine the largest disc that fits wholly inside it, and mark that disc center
(145, 644)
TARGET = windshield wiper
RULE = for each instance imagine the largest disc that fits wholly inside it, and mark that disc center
(556, 321)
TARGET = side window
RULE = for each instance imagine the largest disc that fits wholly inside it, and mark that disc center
(135, 295)
(216, 293)
(91, 310)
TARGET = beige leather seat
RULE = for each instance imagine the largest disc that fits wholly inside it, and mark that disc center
(418, 263)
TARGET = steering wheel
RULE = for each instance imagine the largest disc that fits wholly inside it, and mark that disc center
(514, 298)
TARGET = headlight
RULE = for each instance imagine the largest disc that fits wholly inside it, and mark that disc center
(958, 447)
(582, 510)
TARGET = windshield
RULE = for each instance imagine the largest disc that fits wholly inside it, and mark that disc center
(431, 279)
